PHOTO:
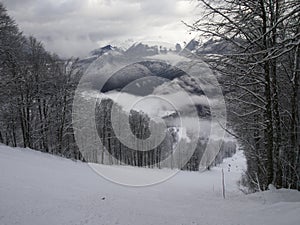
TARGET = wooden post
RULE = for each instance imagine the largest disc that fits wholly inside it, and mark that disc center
(223, 184)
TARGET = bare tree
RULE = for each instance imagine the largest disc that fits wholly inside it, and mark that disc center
(260, 37)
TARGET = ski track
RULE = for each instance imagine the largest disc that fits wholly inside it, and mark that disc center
(42, 189)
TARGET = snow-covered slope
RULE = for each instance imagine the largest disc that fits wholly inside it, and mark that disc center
(37, 188)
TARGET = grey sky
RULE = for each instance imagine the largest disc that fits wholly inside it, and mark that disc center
(74, 27)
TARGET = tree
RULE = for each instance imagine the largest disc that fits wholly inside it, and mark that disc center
(263, 35)
(36, 93)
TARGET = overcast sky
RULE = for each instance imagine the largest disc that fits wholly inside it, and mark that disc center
(74, 27)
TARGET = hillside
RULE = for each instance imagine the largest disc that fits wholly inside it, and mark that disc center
(38, 188)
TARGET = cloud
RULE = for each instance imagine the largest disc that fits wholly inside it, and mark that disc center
(75, 27)
(157, 8)
(155, 104)
(16, 3)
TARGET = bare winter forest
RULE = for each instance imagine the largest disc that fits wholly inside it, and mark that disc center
(247, 55)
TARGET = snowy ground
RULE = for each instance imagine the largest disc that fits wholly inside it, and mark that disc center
(37, 189)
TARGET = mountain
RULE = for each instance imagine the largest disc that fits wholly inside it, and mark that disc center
(97, 53)
(142, 78)
(135, 50)
(109, 55)
(192, 45)
(147, 77)
(142, 50)
(101, 51)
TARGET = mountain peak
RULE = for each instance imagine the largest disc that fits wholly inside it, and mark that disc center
(101, 51)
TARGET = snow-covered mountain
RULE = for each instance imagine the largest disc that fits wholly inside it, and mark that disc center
(101, 51)
(137, 79)
(135, 50)
(135, 74)
(148, 76)
(95, 54)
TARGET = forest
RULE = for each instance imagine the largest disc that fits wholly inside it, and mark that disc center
(259, 59)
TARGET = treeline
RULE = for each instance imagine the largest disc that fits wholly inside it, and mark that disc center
(260, 76)
(172, 152)
(120, 153)
(36, 90)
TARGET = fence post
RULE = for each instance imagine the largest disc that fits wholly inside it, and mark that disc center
(223, 183)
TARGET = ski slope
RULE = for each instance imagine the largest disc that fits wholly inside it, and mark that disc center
(42, 189)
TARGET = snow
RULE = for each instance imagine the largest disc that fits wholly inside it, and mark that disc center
(38, 188)
(182, 134)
